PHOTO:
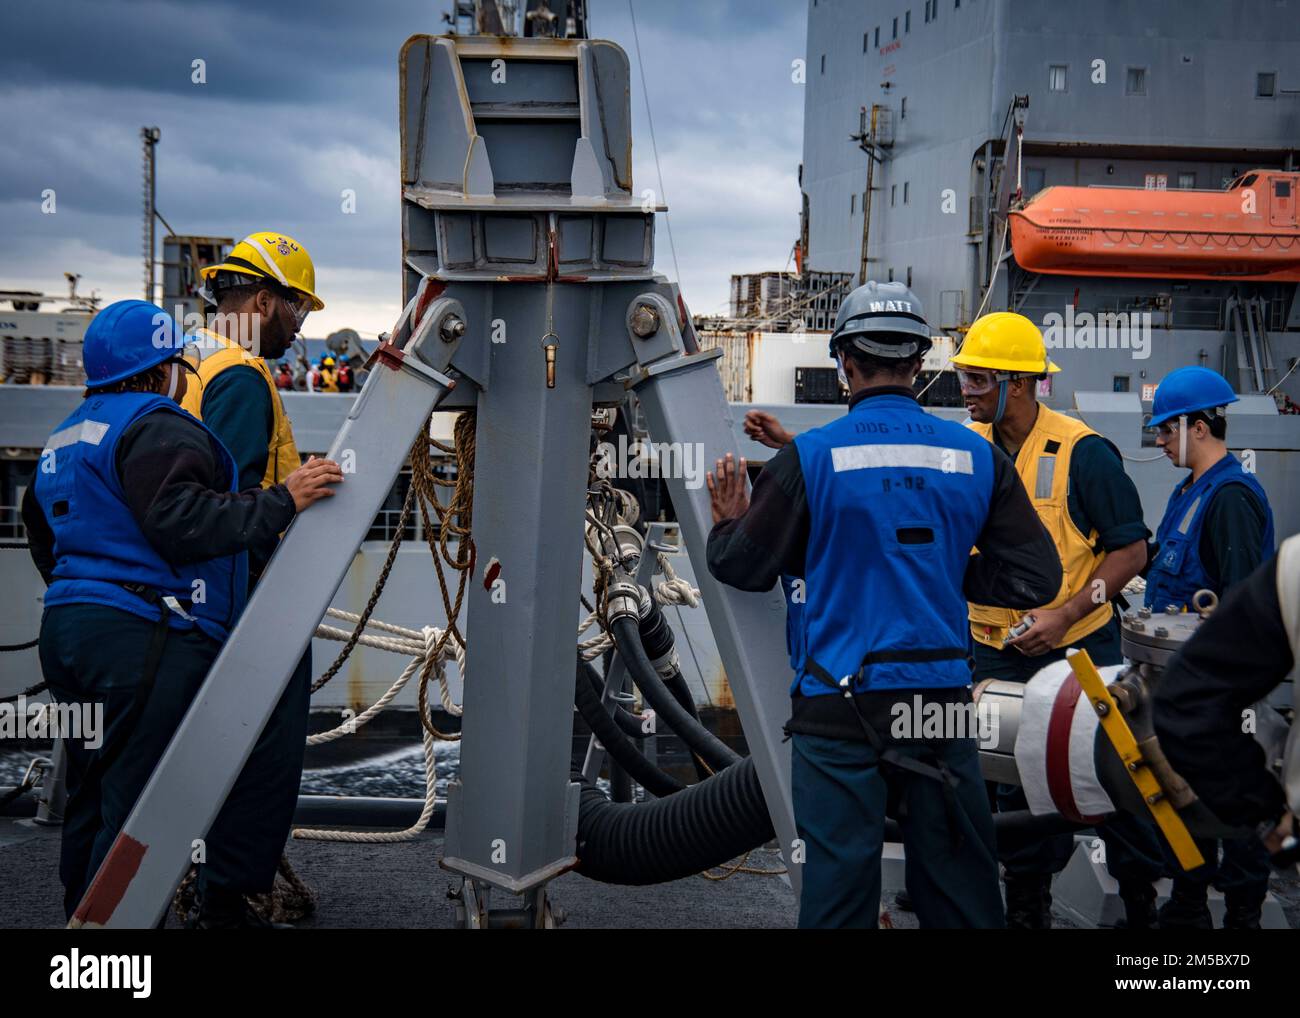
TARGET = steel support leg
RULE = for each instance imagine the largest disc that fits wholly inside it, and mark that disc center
(178, 805)
(684, 403)
(512, 813)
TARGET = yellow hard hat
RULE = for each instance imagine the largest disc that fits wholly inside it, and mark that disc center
(275, 256)
(328, 362)
(1005, 341)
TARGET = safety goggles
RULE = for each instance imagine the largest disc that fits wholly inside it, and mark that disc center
(979, 383)
(298, 303)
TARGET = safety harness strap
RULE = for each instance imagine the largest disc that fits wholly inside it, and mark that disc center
(889, 756)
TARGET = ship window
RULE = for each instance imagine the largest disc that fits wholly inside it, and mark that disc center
(853, 201)
(1135, 81)
(823, 63)
(907, 187)
(909, 277)
(1056, 77)
(891, 275)
(1120, 383)
(893, 194)
(1281, 189)
(895, 28)
(902, 109)
(907, 21)
(1265, 84)
(1249, 179)
(865, 37)
(1186, 180)
(877, 37)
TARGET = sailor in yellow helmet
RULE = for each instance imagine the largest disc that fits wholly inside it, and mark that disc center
(328, 376)
(1091, 508)
(262, 290)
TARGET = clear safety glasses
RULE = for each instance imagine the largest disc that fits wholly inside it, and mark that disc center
(298, 303)
(977, 383)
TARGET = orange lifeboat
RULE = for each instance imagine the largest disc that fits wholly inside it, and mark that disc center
(1246, 231)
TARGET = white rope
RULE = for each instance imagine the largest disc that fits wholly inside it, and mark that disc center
(427, 641)
(388, 837)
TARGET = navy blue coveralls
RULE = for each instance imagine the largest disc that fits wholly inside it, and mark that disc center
(135, 524)
(877, 513)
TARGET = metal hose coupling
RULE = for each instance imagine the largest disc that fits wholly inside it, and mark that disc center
(623, 599)
(657, 639)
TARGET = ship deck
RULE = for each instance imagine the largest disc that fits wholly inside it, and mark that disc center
(400, 886)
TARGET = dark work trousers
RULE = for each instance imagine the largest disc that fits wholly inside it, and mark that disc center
(95, 654)
(1133, 846)
(1242, 873)
(841, 795)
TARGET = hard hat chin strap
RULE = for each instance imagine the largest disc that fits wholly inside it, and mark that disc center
(1002, 401)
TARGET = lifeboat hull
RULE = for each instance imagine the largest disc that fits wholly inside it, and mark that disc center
(1133, 232)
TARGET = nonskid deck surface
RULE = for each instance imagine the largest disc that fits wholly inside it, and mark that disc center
(400, 886)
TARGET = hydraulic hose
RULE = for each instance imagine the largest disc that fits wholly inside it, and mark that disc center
(657, 641)
(679, 836)
(631, 724)
(712, 750)
(619, 746)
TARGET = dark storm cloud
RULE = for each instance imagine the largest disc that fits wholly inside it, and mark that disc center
(300, 103)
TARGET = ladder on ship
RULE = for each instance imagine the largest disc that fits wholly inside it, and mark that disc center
(1248, 316)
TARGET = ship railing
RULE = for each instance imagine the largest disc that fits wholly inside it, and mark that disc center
(383, 529)
(1168, 311)
(12, 530)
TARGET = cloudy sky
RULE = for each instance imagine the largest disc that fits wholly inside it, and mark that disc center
(300, 103)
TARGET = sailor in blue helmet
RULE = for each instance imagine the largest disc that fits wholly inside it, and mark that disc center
(1217, 529)
(136, 523)
(876, 513)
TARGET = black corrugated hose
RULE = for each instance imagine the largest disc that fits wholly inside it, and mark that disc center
(679, 836)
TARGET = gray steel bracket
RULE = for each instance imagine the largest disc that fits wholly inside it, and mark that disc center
(684, 402)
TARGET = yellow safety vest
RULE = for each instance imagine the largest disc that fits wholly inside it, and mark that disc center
(1043, 464)
(212, 355)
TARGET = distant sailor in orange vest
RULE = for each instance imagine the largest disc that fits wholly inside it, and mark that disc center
(1089, 505)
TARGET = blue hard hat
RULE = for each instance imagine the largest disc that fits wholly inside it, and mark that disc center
(128, 337)
(1187, 390)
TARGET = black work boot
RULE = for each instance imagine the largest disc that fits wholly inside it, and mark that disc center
(1186, 909)
(1029, 902)
(1242, 912)
(1139, 906)
(221, 909)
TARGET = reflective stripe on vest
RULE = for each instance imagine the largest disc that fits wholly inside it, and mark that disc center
(101, 555)
(1043, 464)
(1177, 572)
(216, 354)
